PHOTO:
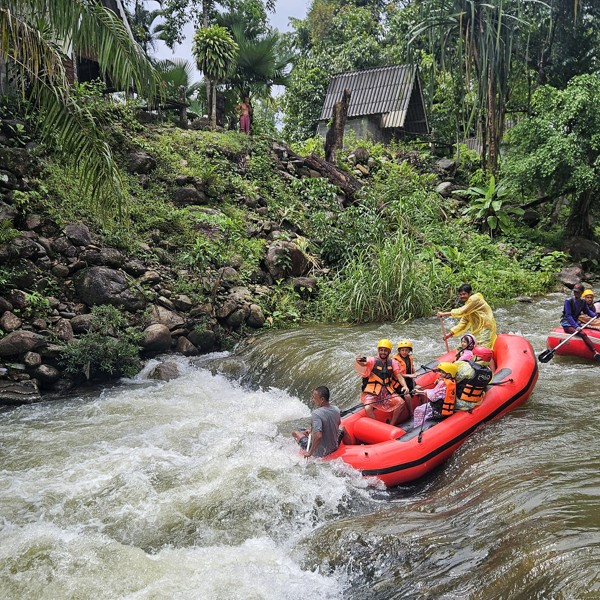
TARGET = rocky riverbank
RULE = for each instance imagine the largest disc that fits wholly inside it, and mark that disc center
(54, 275)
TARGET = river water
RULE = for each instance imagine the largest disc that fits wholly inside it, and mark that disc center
(193, 488)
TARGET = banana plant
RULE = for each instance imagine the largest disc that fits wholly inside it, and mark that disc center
(488, 206)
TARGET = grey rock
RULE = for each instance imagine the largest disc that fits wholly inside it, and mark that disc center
(156, 338)
(5, 305)
(305, 286)
(166, 303)
(285, 259)
(81, 323)
(134, 267)
(32, 359)
(205, 340)
(182, 302)
(8, 212)
(524, 299)
(10, 322)
(185, 347)
(61, 271)
(256, 318)
(187, 196)
(581, 248)
(111, 257)
(569, 276)
(149, 277)
(64, 330)
(446, 164)
(78, 234)
(164, 371)
(46, 373)
(238, 317)
(141, 163)
(19, 342)
(444, 189)
(101, 285)
(13, 393)
(164, 316)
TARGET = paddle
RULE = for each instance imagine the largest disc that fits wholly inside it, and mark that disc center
(361, 405)
(547, 355)
(444, 333)
(308, 444)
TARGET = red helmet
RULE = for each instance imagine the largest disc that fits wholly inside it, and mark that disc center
(483, 353)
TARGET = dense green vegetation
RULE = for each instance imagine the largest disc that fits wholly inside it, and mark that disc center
(398, 250)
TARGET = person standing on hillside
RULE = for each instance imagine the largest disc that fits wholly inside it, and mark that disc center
(475, 316)
(245, 109)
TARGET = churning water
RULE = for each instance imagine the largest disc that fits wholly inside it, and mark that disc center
(193, 488)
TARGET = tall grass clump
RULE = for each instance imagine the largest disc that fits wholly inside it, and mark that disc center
(379, 284)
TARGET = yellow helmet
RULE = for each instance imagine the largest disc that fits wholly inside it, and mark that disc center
(587, 293)
(384, 343)
(449, 368)
(405, 344)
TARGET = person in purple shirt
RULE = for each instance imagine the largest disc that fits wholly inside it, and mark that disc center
(573, 307)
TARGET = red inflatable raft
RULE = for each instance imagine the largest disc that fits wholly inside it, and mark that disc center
(401, 454)
(575, 346)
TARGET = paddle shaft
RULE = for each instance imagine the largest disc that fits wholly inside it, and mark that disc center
(549, 354)
(444, 333)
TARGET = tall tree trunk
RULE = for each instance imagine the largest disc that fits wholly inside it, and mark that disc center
(183, 120)
(580, 222)
(334, 140)
(213, 115)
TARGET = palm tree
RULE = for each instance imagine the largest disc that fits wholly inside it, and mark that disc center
(33, 35)
(216, 53)
(142, 25)
(262, 63)
(177, 74)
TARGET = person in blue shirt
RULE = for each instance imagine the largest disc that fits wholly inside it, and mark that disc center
(573, 307)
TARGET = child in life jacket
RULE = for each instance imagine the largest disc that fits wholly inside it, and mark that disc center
(472, 378)
(441, 398)
(404, 365)
(465, 352)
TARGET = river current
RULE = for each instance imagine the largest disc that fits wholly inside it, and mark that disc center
(194, 489)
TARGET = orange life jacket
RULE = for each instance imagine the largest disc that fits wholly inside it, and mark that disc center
(473, 389)
(410, 369)
(445, 408)
(381, 375)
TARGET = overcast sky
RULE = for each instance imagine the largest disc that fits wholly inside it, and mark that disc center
(283, 11)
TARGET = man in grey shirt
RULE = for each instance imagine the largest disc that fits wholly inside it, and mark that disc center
(325, 423)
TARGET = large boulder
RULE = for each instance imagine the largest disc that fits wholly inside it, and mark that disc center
(285, 259)
(10, 322)
(20, 342)
(164, 371)
(570, 276)
(204, 339)
(156, 338)
(78, 234)
(141, 163)
(581, 248)
(102, 285)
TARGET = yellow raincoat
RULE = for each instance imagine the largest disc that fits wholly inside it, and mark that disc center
(477, 318)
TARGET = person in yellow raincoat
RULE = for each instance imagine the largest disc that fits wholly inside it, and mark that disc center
(475, 316)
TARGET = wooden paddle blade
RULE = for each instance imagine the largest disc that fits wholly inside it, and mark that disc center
(546, 356)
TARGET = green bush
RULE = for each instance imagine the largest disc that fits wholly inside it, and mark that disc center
(109, 349)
